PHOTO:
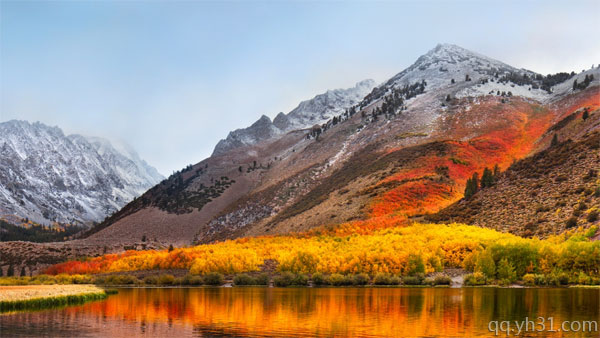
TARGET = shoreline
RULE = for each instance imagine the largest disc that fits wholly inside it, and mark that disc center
(37, 297)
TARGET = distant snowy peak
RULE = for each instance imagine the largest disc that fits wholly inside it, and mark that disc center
(446, 62)
(47, 176)
(308, 113)
(323, 107)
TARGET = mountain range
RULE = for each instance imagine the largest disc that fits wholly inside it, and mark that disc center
(49, 177)
(375, 155)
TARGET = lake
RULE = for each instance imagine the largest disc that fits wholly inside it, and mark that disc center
(301, 312)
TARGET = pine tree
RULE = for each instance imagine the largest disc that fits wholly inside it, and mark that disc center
(11, 271)
(554, 141)
(496, 172)
(170, 247)
(472, 186)
(23, 272)
(575, 84)
(586, 114)
(487, 179)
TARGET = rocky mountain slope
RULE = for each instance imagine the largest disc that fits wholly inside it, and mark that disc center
(47, 176)
(554, 190)
(407, 148)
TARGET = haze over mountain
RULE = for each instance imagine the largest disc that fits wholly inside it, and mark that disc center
(47, 176)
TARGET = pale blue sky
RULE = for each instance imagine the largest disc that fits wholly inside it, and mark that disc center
(172, 78)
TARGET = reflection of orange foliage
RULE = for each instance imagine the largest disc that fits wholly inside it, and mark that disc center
(333, 312)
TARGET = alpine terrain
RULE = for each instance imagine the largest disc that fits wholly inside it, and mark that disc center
(371, 157)
(48, 177)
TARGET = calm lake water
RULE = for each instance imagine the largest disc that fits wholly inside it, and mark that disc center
(302, 312)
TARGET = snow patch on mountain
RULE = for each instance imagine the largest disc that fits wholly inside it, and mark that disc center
(47, 176)
(317, 110)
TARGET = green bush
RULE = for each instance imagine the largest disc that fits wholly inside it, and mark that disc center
(385, 279)
(121, 280)
(150, 280)
(262, 279)
(412, 280)
(475, 279)
(361, 279)
(300, 280)
(244, 279)
(214, 278)
(166, 279)
(382, 279)
(192, 280)
(284, 279)
(442, 280)
(319, 279)
(415, 265)
(337, 279)
(506, 272)
(485, 264)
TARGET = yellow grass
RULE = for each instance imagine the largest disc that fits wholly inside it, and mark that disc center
(27, 292)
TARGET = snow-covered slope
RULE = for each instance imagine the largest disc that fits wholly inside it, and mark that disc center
(317, 110)
(47, 176)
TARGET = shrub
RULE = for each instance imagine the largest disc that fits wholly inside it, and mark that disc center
(361, 279)
(386, 279)
(319, 279)
(506, 271)
(485, 264)
(415, 265)
(192, 280)
(166, 279)
(284, 279)
(262, 279)
(571, 222)
(412, 280)
(382, 279)
(540, 279)
(529, 279)
(213, 278)
(244, 279)
(121, 280)
(475, 279)
(300, 279)
(584, 279)
(81, 279)
(442, 280)
(150, 280)
(592, 216)
(340, 280)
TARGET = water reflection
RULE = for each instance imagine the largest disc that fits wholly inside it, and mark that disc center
(337, 312)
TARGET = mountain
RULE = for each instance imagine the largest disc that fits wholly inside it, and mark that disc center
(556, 189)
(403, 152)
(311, 112)
(47, 176)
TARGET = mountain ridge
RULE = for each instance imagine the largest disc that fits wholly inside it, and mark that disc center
(47, 176)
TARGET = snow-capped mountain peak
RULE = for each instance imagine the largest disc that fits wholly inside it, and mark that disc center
(47, 176)
(308, 113)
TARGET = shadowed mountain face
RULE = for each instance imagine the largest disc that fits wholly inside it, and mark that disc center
(47, 176)
(402, 152)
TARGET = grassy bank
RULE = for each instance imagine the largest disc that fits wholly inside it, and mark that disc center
(35, 297)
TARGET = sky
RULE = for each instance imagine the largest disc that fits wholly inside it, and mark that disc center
(172, 78)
